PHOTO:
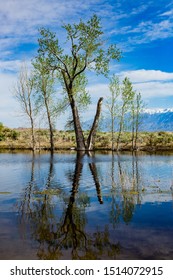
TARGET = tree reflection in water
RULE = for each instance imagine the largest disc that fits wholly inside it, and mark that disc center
(126, 185)
(64, 237)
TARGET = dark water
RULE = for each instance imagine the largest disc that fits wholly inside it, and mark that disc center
(99, 206)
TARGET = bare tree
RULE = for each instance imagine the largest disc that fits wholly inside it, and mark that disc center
(45, 95)
(23, 92)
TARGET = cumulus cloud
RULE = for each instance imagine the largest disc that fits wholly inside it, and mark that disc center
(151, 83)
(143, 75)
(154, 89)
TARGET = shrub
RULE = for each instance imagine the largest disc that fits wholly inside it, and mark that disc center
(14, 134)
(1, 126)
(2, 137)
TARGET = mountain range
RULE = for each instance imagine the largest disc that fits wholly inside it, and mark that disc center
(157, 120)
(151, 120)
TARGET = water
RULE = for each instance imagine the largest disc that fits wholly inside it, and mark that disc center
(99, 206)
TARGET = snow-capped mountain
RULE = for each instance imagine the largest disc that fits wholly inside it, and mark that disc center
(158, 110)
(157, 120)
(151, 120)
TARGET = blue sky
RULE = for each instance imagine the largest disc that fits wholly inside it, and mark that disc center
(143, 30)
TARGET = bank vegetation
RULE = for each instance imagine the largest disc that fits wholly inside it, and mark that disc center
(20, 138)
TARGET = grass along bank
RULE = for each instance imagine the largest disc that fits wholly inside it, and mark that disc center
(21, 139)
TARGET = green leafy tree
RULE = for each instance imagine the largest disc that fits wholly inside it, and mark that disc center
(119, 104)
(112, 105)
(86, 51)
(136, 110)
(127, 97)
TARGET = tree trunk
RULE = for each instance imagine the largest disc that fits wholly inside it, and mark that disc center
(120, 129)
(113, 132)
(93, 169)
(50, 125)
(80, 141)
(133, 129)
(32, 134)
(91, 137)
(136, 130)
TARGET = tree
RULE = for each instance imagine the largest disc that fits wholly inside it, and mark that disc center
(137, 108)
(112, 105)
(85, 51)
(23, 92)
(44, 87)
(127, 97)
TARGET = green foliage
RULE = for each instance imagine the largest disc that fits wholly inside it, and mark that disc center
(84, 40)
(85, 50)
(44, 84)
(6, 132)
(124, 101)
(14, 135)
(156, 139)
(1, 126)
(2, 135)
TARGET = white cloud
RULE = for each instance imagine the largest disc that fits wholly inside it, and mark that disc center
(154, 89)
(143, 75)
(34, 13)
(98, 90)
(8, 105)
(168, 13)
(11, 65)
(20, 19)
(151, 83)
(145, 32)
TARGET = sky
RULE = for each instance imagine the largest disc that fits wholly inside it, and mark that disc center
(141, 29)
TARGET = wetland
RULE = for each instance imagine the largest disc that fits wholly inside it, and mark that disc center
(71, 205)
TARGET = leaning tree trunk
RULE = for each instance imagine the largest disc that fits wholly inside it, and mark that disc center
(80, 141)
(91, 137)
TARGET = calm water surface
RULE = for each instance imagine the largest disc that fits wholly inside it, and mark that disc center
(76, 206)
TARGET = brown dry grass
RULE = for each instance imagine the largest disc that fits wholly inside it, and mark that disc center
(21, 139)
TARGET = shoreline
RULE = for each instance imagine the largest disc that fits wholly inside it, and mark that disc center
(101, 149)
(20, 139)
